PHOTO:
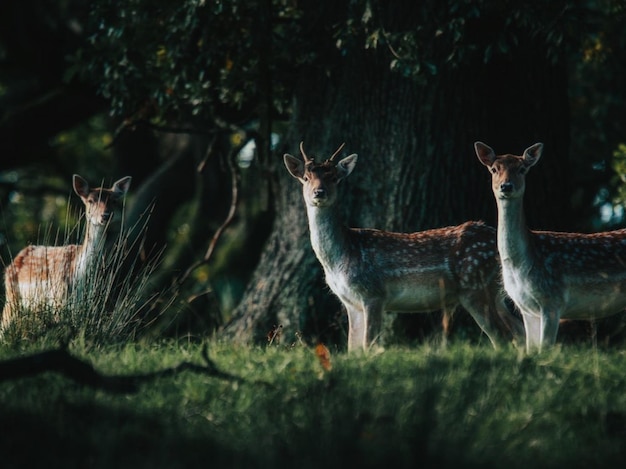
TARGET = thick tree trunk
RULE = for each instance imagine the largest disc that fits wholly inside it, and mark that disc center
(417, 168)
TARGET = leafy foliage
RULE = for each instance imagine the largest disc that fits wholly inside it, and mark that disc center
(435, 35)
(194, 58)
(181, 59)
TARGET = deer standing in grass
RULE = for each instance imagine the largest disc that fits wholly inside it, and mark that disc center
(373, 271)
(551, 275)
(43, 277)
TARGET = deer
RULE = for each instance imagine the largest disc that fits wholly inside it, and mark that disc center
(373, 271)
(551, 275)
(43, 277)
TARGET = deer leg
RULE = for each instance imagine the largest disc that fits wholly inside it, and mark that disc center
(550, 326)
(507, 314)
(481, 312)
(533, 327)
(357, 328)
(374, 314)
(6, 318)
(10, 300)
(447, 315)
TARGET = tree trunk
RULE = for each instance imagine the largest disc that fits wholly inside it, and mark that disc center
(416, 170)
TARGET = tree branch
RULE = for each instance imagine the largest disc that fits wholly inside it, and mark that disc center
(229, 219)
(62, 362)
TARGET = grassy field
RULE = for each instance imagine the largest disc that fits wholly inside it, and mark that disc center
(422, 406)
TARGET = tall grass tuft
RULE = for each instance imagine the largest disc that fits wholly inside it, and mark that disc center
(115, 302)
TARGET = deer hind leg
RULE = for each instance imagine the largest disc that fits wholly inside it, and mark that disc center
(447, 318)
(483, 311)
(374, 314)
(7, 316)
(11, 299)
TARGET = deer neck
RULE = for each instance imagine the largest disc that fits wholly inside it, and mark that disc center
(89, 250)
(513, 234)
(329, 237)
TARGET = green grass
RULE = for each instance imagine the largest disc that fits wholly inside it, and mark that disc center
(423, 406)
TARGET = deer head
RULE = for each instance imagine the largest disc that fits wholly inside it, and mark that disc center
(319, 180)
(100, 202)
(508, 172)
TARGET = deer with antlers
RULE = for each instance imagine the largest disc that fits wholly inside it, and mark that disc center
(551, 275)
(41, 278)
(373, 271)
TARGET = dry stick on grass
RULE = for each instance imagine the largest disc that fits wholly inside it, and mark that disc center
(62, 362)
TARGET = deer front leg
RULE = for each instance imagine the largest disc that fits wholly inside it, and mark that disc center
(374, 313)
(550, 326)
(507, 314)
(533, 328)
(357, 328)
(364, 324)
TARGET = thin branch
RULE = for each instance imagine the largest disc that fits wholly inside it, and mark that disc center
(130, 124)
(220, 125)
(229, 219)
(207, 154)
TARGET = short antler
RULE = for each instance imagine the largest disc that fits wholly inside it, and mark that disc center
(337, 151)
(306, 159)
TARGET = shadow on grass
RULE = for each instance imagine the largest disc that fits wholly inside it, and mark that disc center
(65, 437)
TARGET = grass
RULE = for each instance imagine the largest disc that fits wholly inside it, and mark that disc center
(109, 304)
(424, 406)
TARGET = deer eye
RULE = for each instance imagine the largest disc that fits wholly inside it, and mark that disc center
(522, 170)
(493, 170)
(305, 178)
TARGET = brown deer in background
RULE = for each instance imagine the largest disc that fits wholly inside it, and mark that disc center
(551, 275)
(43, 277)
(373, 271)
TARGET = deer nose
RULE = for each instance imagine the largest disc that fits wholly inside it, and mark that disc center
(319, 193)
(506, 187)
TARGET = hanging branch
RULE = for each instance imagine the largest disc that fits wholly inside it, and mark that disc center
(143, 116)
(234, 177)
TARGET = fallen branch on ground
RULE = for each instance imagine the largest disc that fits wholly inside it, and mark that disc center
(62, 362)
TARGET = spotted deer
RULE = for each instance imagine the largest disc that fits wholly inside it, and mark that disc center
(373, 271)
(551, 275)
(43, 277)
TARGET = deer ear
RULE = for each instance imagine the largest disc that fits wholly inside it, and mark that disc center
(485, 153)
(121, 186)
(81, 186)
(532, 154)
(346, 166)
(295, 166)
